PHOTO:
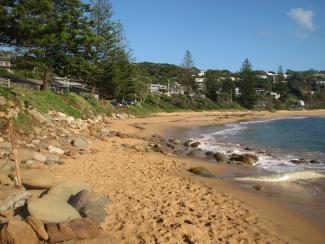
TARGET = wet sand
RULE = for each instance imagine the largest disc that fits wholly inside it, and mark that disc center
(156, 200)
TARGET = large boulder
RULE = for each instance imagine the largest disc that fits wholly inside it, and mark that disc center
(6, 167)
(18, 232)
(11, 198)
(244, 158)
(39, 157)
(158, 147)
(140, 147)
(38, 193)
(5, 180)
(57, 235)
(38, 116)
(57, 150)
(78, 201)
(176, 141)
(83, 228)
(95, 207)
(35, 179)
(50, 210)
(195, 144)
(201, 171)
(24, 155)
(220, 157)
(79, 143)
(197, 153)
(38, 227)
(66, 189)
(50, 157)
(6, 145)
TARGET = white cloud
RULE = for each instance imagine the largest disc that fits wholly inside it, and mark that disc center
(304, 18)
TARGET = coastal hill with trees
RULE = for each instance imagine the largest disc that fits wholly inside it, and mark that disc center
(81, 42)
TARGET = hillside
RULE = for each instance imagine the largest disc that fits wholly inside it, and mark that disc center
(25, 103)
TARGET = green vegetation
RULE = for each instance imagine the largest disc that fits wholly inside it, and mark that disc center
(81, 40)
(44, 101)
(24, 123)
(177, 103)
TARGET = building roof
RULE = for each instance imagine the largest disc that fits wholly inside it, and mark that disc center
(66, 83)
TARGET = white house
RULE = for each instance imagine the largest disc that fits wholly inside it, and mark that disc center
(321, 82)
(237, 91)
(201, 73)
(275, 75)
(275, 95)
(157, 88)
(263, 76)
(175, 88)
(200, 82)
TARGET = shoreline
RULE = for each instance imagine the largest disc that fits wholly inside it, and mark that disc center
(155, 198)
(284, 194)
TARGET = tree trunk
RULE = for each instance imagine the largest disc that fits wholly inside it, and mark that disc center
(46, 82)
(157, 105)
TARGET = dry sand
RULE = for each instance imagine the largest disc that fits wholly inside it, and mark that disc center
(155, 199)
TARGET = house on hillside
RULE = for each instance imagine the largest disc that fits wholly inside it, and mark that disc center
(237, 92)
(260, 91)
(154, 88)
(320, 82)
(201, 73)
(233, 78)
(200, 82)
(26, 83)
(64, 85)
(175, 89)
(275, 95)
(263, 76)
(5, 63)
(274, 76)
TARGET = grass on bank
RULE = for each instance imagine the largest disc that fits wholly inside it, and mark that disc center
(70, 104)
(178, 103)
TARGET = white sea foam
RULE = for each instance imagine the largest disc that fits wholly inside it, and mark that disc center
(285, 177)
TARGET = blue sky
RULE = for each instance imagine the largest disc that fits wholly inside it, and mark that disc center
(221, 33)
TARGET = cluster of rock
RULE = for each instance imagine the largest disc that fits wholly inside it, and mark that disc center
(305, 161)
(44, 211)
(191, 148)
(50, 212)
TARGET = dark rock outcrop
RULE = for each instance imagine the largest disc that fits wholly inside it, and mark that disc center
(202, 172)
(244, 158)
(220, 157)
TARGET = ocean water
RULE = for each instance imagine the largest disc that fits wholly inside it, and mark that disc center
(282, 145)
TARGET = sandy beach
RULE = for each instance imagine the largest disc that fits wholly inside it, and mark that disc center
(156, 200)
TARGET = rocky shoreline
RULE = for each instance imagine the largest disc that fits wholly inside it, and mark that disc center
(45, 210)
(87, 181)
(49, 211)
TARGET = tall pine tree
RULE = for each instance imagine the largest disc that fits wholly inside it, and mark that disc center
(49, 33)
(247, 85)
